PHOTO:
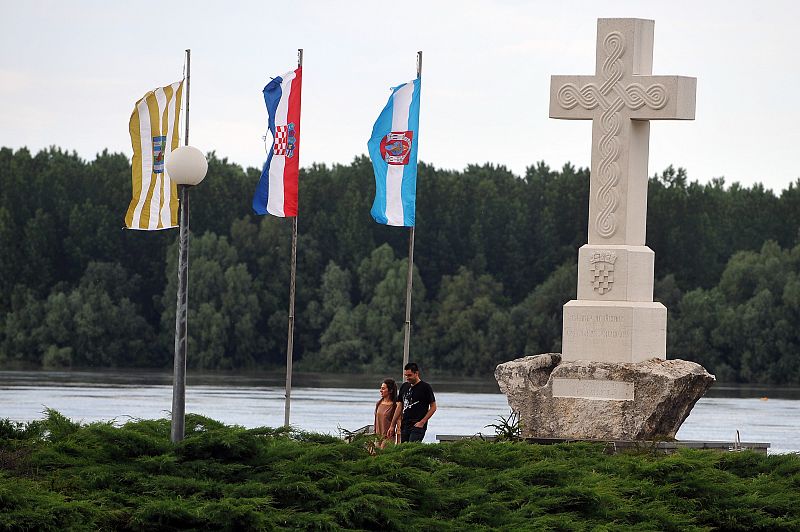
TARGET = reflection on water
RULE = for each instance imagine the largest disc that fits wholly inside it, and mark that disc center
(253, 379)
(325, 402)
(754, 391)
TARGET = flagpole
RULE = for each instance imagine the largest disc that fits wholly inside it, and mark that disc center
(292, 278)
(410, 278)
(181, 333)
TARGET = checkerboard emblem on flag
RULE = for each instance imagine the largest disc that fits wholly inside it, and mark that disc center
(276, 192)
(285, 140)
(279, 148)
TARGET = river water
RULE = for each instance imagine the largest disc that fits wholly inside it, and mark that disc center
(326, 403)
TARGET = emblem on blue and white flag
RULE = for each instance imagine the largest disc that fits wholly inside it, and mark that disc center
(396, 147)
(393, 150)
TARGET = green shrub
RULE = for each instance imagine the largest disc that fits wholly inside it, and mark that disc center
(61, 475)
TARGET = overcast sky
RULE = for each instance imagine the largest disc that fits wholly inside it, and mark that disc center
(70, 72)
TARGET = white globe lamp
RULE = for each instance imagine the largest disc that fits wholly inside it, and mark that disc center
(187, 166)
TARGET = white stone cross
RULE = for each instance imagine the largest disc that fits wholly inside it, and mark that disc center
(620, 99)
(614, 318)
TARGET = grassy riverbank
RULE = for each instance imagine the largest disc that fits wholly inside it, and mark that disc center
(57, 475)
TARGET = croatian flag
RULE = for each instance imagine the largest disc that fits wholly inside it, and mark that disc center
(393, 150)
(276, 193)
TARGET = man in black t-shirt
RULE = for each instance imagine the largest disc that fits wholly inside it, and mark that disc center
(415, 406)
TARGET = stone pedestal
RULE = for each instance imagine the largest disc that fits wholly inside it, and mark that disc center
(614, 331)
(615, 273)
(614, 318)
(601, 400)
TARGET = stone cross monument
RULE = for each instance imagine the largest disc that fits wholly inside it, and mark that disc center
(612, 379)
(614, 318)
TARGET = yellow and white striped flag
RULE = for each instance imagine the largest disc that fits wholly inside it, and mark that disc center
(154, 129)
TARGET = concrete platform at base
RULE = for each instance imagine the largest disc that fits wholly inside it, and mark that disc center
(613, 446)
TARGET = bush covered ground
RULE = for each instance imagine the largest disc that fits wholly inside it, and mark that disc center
(58, 475)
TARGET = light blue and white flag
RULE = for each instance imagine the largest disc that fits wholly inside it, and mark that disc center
(393, 150)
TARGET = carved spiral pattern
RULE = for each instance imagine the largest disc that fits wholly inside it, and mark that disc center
(589, 97)
(610, 96)
(607, 197)
(614, 45)
(636, 96)
(609, 146)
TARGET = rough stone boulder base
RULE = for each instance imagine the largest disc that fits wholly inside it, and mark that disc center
(584, 399)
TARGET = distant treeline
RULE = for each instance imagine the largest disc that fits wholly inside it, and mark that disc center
(495, 261)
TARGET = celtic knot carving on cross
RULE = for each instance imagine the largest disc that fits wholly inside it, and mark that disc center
(611, 96)
(633, 95)
(623, 91)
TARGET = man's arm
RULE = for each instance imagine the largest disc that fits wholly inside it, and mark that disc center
(398, 411)
(431, 411)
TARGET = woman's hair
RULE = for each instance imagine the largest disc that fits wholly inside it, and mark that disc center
(392, 386)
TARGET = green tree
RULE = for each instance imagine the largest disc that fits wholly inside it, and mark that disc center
(537, 320)
(497, 240)
(11, 262)
(469, 331)
(93, 325)
(41, 253)
(224, 310)
(369, 335)
(745, 328)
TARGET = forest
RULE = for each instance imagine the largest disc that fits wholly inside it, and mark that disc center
(495, 260)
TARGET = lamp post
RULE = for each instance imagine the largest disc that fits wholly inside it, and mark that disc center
(187, 166)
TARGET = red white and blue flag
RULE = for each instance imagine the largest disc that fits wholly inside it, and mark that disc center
(276, 192)
(393, 150)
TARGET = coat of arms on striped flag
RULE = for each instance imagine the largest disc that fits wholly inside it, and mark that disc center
(393, 148)
(158, 154)
(276, 192)
(154, 127)
(285, 140)
(396, 147)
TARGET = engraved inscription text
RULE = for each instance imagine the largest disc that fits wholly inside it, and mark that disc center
(593, 389)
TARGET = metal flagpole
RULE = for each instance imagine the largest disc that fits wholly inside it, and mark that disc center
(179, 371)
(410, 278)
(290, 341)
